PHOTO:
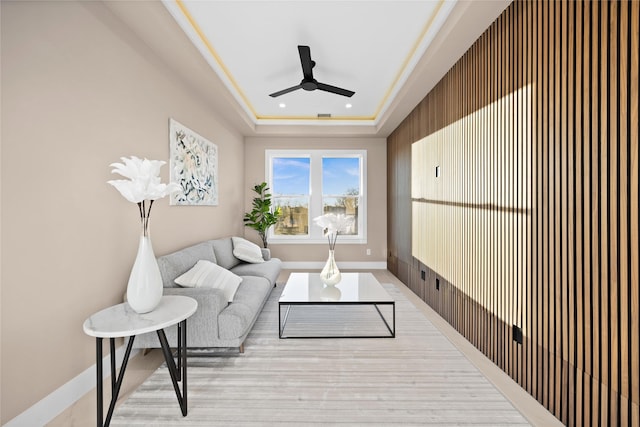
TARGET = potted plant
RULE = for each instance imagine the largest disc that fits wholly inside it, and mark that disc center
(261, 216)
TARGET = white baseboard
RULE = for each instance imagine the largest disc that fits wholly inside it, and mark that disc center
(52, 405)
(311, 265)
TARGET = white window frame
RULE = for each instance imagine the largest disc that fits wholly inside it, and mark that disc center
(315, 195)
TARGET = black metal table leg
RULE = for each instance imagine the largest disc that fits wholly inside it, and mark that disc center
(179, 371)
(99, 379)
(183, 351)
(282, 323)
(391, 331)
(112, 352)
(115, 385)
(171, 365)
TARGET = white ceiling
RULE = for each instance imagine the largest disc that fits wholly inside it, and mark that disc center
(389, 52)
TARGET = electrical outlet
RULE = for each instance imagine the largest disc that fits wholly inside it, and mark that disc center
(368, 251)
(517, 334)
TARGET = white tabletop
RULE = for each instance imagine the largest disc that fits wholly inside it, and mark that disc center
(121, 321)
(352, 288)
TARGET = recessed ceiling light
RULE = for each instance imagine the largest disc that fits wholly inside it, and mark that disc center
(282, 105)
(348, 105)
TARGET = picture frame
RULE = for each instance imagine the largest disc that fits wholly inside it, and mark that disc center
(194, 166)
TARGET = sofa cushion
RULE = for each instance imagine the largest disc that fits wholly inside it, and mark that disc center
(246, 251)
(223, 248)
(179, 262)
(236, 319)
(268, 269)
(206, 274)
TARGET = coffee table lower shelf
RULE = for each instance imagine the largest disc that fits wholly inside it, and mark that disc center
(326, 307)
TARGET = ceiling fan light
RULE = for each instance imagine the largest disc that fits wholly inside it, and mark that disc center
(282, 105)
(348, 106)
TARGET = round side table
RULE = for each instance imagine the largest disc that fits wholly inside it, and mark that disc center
(120, 321)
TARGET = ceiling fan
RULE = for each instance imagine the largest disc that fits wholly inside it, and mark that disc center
(308, 82)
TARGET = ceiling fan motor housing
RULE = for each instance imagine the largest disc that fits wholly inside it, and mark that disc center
(309, 84)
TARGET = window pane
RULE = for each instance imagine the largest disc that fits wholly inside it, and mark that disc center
(291, 175)
(340, 176)
(294, 216)
(347, 206)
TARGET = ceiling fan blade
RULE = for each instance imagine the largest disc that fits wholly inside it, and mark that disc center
(282, 92)
(337, 90)
(307, 63)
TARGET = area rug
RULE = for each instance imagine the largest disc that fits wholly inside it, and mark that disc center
(417, 378)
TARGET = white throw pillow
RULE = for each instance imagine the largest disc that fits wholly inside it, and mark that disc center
(246, 250)
(206, 274)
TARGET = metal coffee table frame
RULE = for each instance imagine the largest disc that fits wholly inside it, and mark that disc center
(282, 322)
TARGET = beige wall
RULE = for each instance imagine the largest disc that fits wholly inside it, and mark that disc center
(78, 92)
(376, 202)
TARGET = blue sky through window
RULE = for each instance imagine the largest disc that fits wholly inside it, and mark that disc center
(340, 175)
(291, 175)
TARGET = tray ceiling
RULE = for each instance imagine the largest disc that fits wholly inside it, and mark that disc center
(367, 47)
(391, 53)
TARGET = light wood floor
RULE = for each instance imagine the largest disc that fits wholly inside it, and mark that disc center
(83, 412)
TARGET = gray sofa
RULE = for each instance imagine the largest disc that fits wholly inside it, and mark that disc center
(216, 322)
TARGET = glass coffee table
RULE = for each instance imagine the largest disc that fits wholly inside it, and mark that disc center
(357, 307)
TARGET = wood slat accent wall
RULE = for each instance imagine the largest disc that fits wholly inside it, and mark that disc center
(534, 219)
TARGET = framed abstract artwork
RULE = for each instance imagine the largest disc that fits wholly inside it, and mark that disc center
(194, 166)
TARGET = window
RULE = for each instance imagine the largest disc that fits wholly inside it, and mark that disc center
(310, 183)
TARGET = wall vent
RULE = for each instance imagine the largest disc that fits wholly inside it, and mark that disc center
(324, 115)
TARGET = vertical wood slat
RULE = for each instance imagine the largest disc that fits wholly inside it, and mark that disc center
(594, 121)
(633, 214)
(612, 207)
(528, 328)
(569, 399)
(536, 212)
(587, 210)
(579, 214)
(555, 346)
(543, 121)
(562, 357)
(624, 320)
